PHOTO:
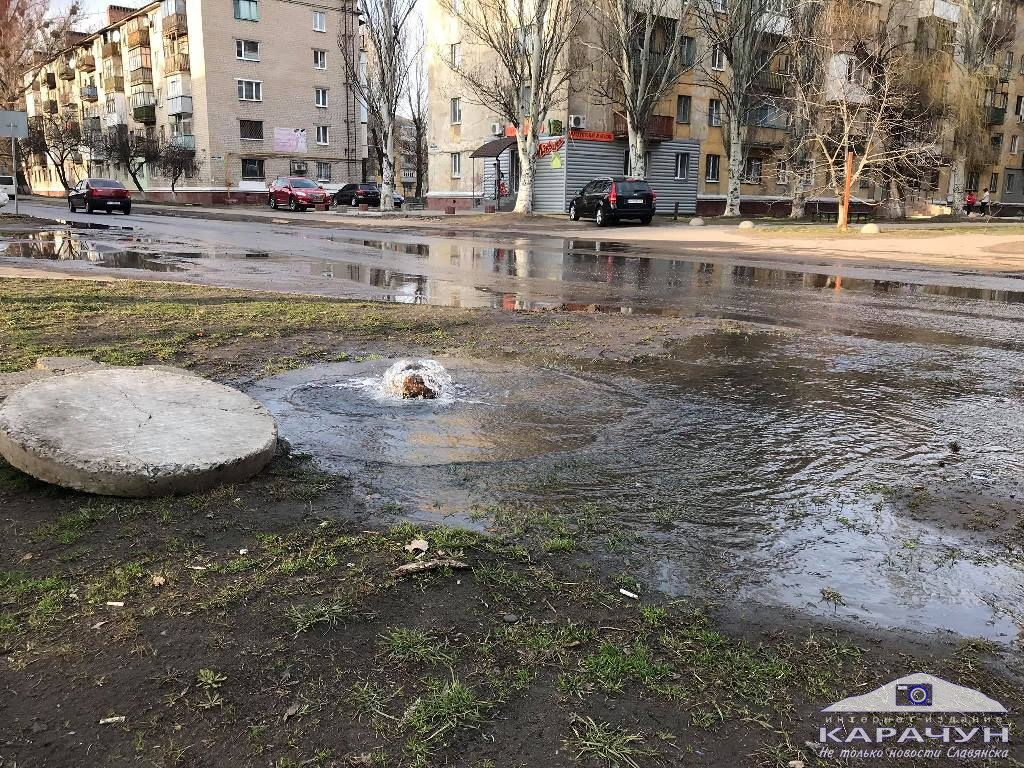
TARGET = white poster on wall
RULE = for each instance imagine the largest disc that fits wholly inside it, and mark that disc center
(289, 139)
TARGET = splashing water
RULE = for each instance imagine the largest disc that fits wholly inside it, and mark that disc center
(414, 379)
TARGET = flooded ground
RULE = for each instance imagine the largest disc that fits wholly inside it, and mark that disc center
(859, 455)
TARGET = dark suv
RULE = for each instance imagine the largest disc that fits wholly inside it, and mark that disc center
(358, 194)
(611, 198)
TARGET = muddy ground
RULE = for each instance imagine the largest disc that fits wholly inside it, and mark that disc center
(263, 624)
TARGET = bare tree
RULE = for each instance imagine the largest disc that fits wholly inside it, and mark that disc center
(746, 35)
(379, 70)
(525, 65)
(863, 117)
(132, 149)
(176, 161)
(30, 37)
(417, 104)
(806, 75)
(59, 137)
(641, 54)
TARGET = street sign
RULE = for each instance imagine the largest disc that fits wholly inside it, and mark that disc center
(13, 125)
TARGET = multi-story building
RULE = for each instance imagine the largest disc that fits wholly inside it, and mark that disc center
(256, 88)
(473, 155)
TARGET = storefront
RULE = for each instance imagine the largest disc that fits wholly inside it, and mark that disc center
(566, 163)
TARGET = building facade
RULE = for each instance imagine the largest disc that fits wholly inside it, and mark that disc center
(256, 88)
(473, 157)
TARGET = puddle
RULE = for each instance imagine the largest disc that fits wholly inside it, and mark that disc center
(64, 246)
(758, 468)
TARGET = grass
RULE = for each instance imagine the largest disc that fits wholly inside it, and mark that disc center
(610, 746)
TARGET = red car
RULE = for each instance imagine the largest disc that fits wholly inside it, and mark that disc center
(104, 194)
(297, 193)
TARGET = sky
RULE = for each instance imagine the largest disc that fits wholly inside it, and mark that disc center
(94, 12)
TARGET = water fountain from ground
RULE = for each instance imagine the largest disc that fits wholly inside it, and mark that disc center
(416, 379)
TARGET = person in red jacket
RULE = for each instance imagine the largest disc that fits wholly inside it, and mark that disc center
(969, 202)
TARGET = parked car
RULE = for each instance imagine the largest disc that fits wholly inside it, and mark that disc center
(611, 198)
(298, 193)
(101, 194)
(358, 194)
(7, 185)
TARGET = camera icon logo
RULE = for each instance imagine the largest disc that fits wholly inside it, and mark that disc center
(914, 695)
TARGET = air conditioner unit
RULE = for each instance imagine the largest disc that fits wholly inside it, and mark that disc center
(497, 129)
(577, 122)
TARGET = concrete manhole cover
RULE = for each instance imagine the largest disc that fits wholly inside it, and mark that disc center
(135, 432)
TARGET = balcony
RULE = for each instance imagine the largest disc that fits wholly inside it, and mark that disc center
(144, 113)
(175, 25)
(179, 105)
(140, 76)
(50, 106)
(90, 93)
(112, 119)
(184, 140)
(996, 115)
(660, 127)
(92, 125)
(50, 80)
(67, 99)
(113, 83)
(771, 82)
(111, 51)
(175, 63)
(67, 73)
(87, 62)
(138, 38)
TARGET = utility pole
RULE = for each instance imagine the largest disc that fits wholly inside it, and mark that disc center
(844, 219)
(14, 165)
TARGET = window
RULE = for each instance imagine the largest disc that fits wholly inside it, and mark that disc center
(455, 54)
(320, 97)
(714, 112)
(781, 176)
(1014, 142)
(1022, 63)
(1008, 61)
(682, 165)
(456, 165)
(1011, 180)
(247, 50)
(319, 59)
(1020, 100)
(997, 142)
(319, 21)
(973, 180)
(456, 108)
(250, 90)
(752, 170)
(682, 109)
(247, 10)
(250, 130)
(717, 57)
(323, 135)
(718, 6)
(323, 171)
(993, 182)
(252, 169)
(689, 51)
(711, 167)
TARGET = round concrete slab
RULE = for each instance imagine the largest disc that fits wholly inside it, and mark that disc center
(135, 432)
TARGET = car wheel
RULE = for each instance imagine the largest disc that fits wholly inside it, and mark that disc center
(645, 219)
(599, 218)
(126, 208)
(573, 213)
(292, 205)
(71, 205)
(272, 201)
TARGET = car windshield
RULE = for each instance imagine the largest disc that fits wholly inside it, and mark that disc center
(106, 184)
(303, 184)
(632, 187)
(369, 187)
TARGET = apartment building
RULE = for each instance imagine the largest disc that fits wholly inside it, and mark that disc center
(473, 155)
(255, 87)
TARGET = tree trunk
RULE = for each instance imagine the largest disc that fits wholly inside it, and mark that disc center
(387, 164)
(419, 163)
(527, 146)
(843, 219)
(894, 205)
(134, 173)
(958, 183)
(637, 150)
(62, 174)
(732, 194)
